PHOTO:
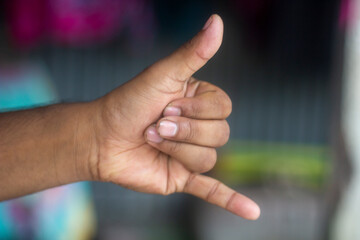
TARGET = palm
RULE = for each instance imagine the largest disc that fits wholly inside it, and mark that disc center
(147, 170)
(127, 159)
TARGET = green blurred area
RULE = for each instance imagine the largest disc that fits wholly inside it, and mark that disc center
(253, 163)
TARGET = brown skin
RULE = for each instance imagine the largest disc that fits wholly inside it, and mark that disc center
(120, 137)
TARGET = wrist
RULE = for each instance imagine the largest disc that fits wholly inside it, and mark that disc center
(85, 141)
(75, 146)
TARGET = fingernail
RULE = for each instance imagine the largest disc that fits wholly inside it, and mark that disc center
(172, 111)
(208, 22)
(254, 212)
(167, 128)
(152, 135)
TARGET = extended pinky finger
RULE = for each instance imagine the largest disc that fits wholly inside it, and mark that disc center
(215, 192)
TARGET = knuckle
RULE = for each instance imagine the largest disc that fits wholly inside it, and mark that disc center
(194, 110)
(201, 55)
(226, 105)
(165, 193)
(224, 134)
(230, 200)
(189, 129)
(213, 191)
(189, 67)
(170, 85)
(189, 182)
(189, 44)
(208, 161)
(174, 147)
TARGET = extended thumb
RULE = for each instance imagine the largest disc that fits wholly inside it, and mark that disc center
(194, 54)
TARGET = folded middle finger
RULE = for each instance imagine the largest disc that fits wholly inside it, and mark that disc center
(209, 133)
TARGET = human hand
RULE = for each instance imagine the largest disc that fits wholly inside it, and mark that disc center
(158, 132)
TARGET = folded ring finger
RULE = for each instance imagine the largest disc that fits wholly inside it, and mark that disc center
(195, 158)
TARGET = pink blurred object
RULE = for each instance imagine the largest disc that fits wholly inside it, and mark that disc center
(345, 14)
(79, 22)
(76, 22)
(26, 21)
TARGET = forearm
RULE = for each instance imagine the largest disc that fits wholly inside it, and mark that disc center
(45, 147)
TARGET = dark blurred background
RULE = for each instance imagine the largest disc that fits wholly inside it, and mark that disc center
(278, 64)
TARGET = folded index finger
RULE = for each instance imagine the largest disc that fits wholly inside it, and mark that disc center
(215, 192)
(202, 101)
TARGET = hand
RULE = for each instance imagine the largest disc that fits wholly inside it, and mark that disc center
(158, 132)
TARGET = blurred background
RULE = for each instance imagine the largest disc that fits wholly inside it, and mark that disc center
(283, 63)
